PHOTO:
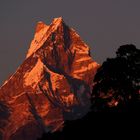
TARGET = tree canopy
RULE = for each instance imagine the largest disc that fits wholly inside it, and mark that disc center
(117, 82)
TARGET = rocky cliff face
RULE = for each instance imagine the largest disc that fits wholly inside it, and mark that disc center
(53, 84)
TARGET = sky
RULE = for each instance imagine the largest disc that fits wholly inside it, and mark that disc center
(103, 24)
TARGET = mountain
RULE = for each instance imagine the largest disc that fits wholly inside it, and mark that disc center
(53, 84)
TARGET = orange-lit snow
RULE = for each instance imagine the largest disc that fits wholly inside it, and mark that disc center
(83, 59)
(38, 38)
(34, 76)
(45, 84)
(83, 69)
(41, 36)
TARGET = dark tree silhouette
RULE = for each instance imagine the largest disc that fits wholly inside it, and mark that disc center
(117, 82)
(116, 89)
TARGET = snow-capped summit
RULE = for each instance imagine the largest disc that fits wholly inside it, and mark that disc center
(42, 32)
(52, 84)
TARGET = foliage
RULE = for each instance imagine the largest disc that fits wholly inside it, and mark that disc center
(117, 82)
